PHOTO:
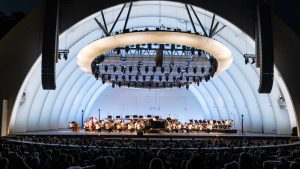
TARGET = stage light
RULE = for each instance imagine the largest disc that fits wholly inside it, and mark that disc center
(160, 78)
(192, 51)
(162, 69)
(103, 81)
(102, 76)
(136, 77)
(128, 85)
(114, 68)
(154, 69)
(157, 85)
(105, 68)
(119, 83)
(187, 69)
(123, 68)
(139, 68)
(210, 70)
(195, 70)
(96, 75)
(187, 86)
(202, 70)
(135, 84)
(180, 77)
(171, 85)
(146, 69)
(118, 51)
(206, 78)
(200, 78)
(130, 69)
(198, 83)
(179, 85)
(167, 78)
(123, 77)
(187, 78)
(174, 78)
(65, 56)
(172, 47)
(126, 49)
(171, 69)
(194, 78)
(113, 84)
(253, 61)
(151, 77)
(178, 69)
(246, 61)
(129, 77)
(144, 77)
(108, 77)
(116, 77)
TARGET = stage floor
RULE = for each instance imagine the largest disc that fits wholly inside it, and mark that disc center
(67, 132)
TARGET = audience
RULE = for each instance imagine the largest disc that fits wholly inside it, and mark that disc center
(97, 153)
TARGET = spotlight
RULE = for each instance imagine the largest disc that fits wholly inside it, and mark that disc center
(103, 81)
(113, 84)
(198, 83)
(123, 77)
(130, 69)
(154, 69)
(202, 70)
(118, 51)
(178, 69)
(128, 85)
(115, 68)
(105, 68)
(136, 77)
(119, 83)
(246, 61)
(102, 76)
(171, 69)
(108, 77)
(160, 78)
(167, 78)
(187, 86)
(194, 78)
(123, 68)
(116, 77)
(65, 56)
(174, 78)
(144, 77)
(179, 85)
(139, 68)
(146, 69)
(171, 85)
(162, 69)
(194, 70)
(157, 84)
(187, 69)
(192, 51)
(151, 77)
(187, 78)
(210, 70)
(126, 49)
(206, 78)
(129, 77)
(200, 78)
(164, 85)
(135, 84)
(180, 77)
(253, 61)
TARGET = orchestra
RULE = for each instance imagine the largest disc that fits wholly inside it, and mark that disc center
(146, 124)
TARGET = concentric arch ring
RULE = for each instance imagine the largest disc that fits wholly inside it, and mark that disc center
(220, 52)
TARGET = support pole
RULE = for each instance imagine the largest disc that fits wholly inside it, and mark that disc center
(191, 19)
(117, 19)
(128, 14)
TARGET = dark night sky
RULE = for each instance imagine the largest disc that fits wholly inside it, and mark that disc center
(7, 6)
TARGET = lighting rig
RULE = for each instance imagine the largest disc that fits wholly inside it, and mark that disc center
(63, 53)
(154, 66)
(248, 57)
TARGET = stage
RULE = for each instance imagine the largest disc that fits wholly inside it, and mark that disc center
(116, 134)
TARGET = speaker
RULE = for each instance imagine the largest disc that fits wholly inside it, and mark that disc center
(50, 44)
(294, 131)
(264, 47)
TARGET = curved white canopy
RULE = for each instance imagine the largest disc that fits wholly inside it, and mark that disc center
(229, 95)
